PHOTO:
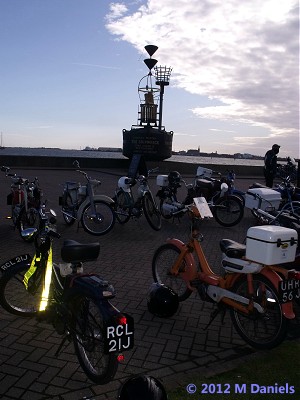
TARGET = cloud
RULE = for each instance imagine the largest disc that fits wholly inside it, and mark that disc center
(242, 55)
(117, 10)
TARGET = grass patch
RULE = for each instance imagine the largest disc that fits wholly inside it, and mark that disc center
(278, 368)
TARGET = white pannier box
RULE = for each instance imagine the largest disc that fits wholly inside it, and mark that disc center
(204, 172)
(271, 197)
(270, 244)
(162, 180)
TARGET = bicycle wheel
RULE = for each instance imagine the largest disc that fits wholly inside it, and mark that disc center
(163, 259)
(151, 211)
(28, 219)
(228, 211)
(100, 221)
(88, 336)
(68, 209)
(14, 297)
(261, 330)
(122, 207)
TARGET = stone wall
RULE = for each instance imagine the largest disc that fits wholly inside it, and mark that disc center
(164, 166)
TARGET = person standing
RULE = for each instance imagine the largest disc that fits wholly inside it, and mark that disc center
(270, 167)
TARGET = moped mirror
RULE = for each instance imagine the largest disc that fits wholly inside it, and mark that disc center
(76, 164)
(52, 218)
(224, 187)
(28, 234)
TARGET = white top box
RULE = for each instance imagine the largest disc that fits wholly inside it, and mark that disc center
(162, 180)
(204, 172)
(271, 198)
(270, 244)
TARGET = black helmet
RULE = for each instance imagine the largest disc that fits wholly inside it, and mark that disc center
(174, 178)
(142, 387)
(162, 300)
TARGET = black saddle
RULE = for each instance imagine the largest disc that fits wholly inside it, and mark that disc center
(232, 249)
(75, 252)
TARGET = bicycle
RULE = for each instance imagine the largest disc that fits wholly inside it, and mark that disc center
(255, 294)
(77, 304)
(24, 199)
(79, 202)
(262, 203)
(227, 209)
(126, 206)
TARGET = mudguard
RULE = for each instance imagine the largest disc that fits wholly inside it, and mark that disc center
(87, 201)
(191, 271)
(287, 308)
(91, 285)
(119, 326)
(275, 279)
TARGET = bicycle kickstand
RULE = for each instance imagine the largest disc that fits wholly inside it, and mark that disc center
(67, 337)
(214, 314)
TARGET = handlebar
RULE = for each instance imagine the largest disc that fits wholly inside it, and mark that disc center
(87, 177)
(150, 171)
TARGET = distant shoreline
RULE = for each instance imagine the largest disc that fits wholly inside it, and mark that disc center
(188, 156)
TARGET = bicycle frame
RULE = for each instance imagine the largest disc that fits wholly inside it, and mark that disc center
(142, 189)
(218, 286)
(89, 198)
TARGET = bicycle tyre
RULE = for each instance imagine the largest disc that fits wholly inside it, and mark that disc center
(163, 259)
(68, 208)
(261, 331)
(122, 207)
(162, 213)
(14, 297)
(101, 222)
(228, 211)
(88, 332)
(151, 212)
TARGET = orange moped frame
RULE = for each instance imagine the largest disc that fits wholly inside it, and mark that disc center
(191, 273)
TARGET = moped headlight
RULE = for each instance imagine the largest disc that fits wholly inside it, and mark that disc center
(224, 187)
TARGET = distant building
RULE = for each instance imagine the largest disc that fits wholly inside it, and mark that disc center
(108, 149)
(192, 152)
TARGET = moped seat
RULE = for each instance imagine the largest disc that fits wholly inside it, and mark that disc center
(75, 252)
(232, 249)
(204, 184)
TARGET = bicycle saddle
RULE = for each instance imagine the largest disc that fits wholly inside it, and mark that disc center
(75, 252)
(232, 249)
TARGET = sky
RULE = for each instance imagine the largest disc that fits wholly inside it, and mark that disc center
(70, 69)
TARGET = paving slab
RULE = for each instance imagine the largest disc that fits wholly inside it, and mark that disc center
(169, 349)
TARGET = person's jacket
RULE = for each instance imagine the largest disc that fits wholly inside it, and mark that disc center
(271, 162)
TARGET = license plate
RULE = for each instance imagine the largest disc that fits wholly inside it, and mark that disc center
(289, 290)
(120, 337)
(14, 261)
